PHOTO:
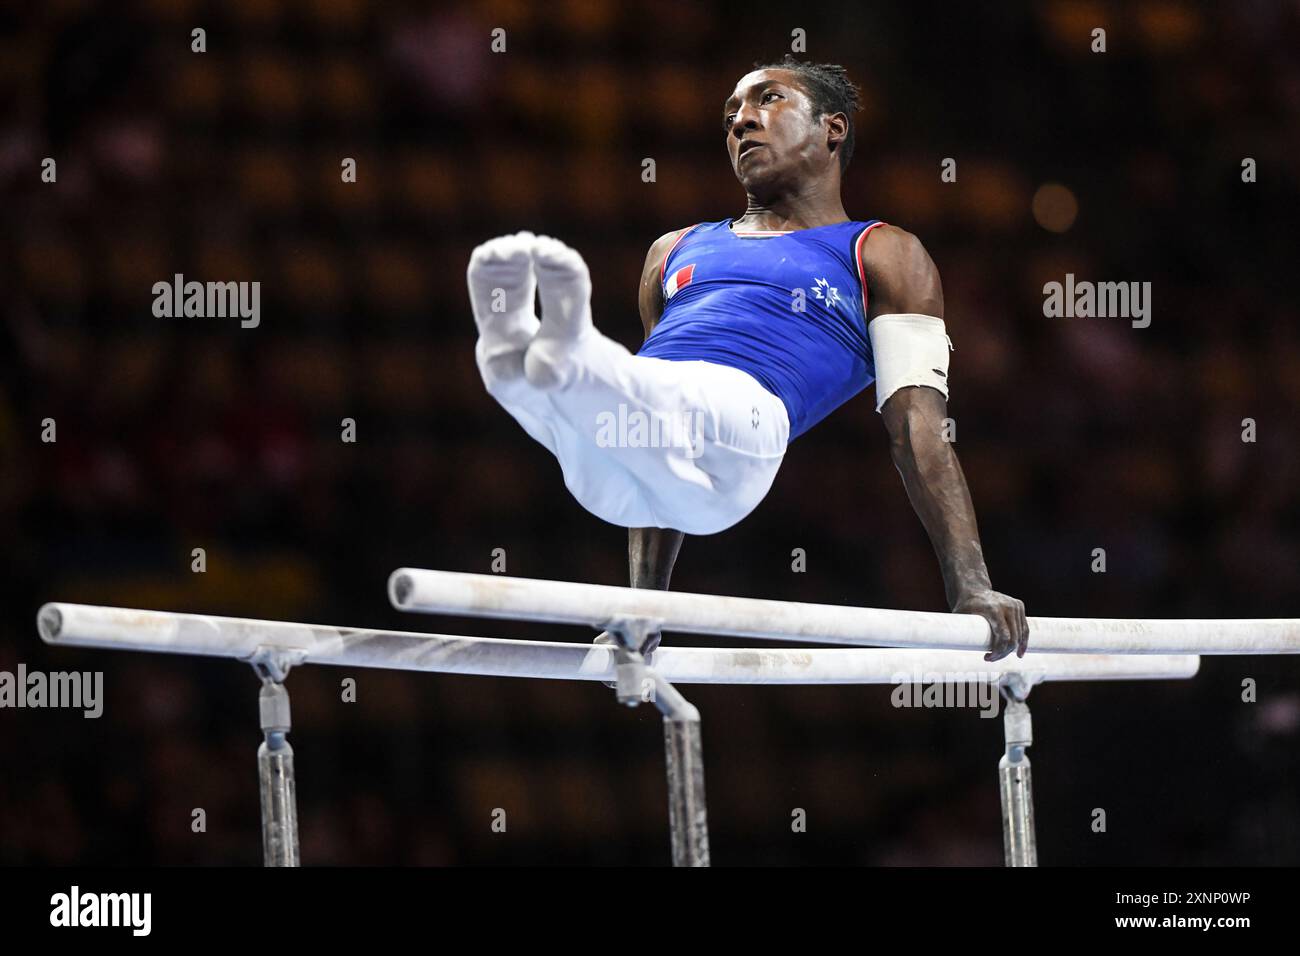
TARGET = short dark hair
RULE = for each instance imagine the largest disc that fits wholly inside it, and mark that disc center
(831, 91)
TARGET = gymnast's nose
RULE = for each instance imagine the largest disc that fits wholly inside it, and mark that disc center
(746, 120)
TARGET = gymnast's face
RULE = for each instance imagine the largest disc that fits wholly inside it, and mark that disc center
(772, 137)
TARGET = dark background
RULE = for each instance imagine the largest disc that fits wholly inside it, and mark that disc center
(1074, 433)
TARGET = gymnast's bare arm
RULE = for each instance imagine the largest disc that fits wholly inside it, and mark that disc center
(901, 278)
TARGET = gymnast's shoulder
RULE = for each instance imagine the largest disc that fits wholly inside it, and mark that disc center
(901, 276)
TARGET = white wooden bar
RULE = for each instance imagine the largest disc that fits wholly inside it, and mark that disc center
(595, 605)
(129, 629)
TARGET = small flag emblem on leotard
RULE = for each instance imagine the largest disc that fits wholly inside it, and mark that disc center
(678, 279)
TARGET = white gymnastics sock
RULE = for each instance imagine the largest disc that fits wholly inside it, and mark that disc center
(564, 285)
(502, 288)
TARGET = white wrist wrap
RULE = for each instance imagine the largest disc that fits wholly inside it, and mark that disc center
(909, 349)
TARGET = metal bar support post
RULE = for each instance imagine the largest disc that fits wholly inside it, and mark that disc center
(636, 683)
(1019, 845)
(275, 758)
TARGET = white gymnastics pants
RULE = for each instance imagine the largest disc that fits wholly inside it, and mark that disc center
(644, 442)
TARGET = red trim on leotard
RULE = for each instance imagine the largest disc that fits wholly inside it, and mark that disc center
(664, 264)
(862, 273)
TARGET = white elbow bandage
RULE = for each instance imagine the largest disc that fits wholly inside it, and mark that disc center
(909, 349)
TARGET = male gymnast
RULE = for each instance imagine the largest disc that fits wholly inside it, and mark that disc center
(756, 329)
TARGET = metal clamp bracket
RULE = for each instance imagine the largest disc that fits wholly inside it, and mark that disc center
(273, 663)
(634, 683)
(1017, 686)
(632, 632)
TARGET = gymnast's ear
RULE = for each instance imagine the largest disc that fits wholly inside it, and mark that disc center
(837, 130)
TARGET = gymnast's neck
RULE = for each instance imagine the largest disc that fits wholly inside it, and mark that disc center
(805, 206)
